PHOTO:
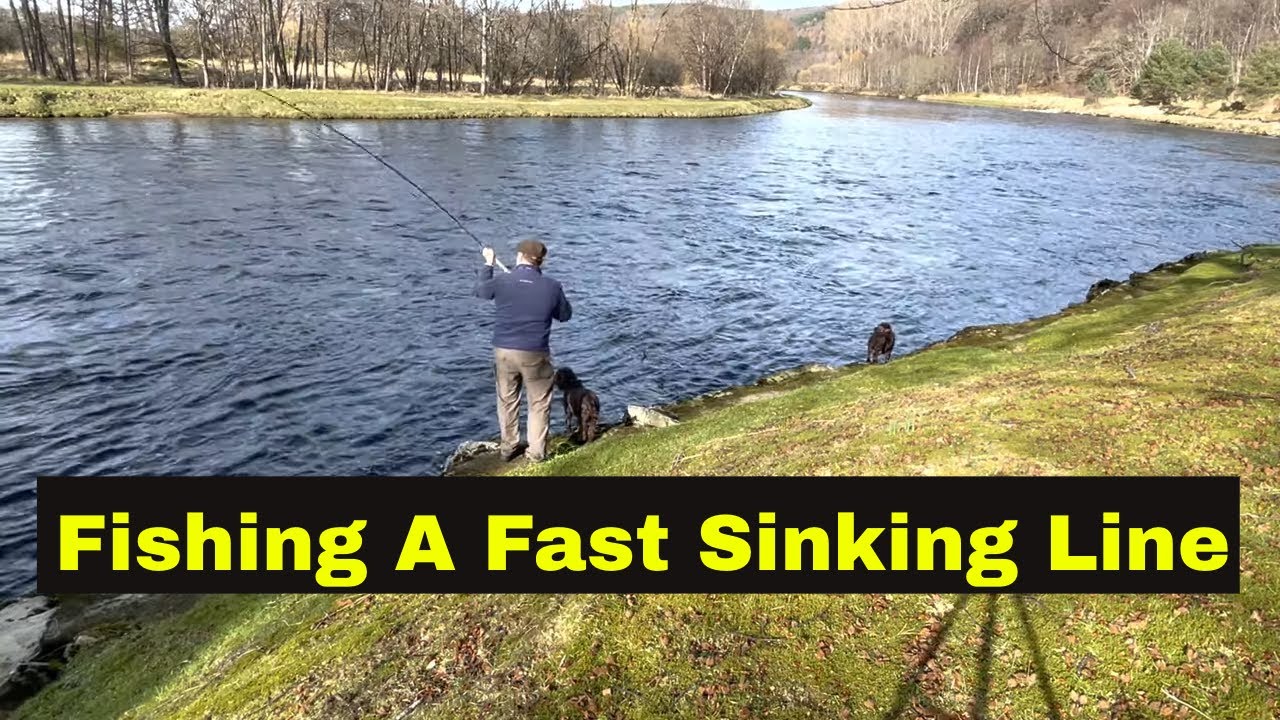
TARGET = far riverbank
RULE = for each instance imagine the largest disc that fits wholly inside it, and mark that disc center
(1259, 119)
(44, 101)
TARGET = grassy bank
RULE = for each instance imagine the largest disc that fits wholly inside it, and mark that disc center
(18, 100)
(1261, 119)
(1176, 374)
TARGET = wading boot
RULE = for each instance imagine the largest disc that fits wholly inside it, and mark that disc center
(513, 453)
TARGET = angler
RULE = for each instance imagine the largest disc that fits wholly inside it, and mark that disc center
(525, 303)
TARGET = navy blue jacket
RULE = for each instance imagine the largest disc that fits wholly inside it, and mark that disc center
(526, 302)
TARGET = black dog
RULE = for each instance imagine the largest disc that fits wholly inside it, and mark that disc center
(881, 343)
(580, 404)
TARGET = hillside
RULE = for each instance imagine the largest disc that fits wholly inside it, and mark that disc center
(1174, 373)
(1165, 51)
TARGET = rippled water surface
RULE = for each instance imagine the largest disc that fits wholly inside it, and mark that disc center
(191, 296)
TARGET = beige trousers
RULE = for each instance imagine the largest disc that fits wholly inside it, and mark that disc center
(532, 371)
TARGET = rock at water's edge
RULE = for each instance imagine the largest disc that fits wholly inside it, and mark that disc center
(76, 615)
(1099, 288)
(468, 451)
(786, 375)
(1105, 285)
(649, 417)
(22, 625)
(1187, 260)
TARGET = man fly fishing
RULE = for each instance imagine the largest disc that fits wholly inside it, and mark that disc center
(525, 303)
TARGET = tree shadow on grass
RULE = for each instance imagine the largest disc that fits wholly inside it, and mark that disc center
(909, 685)
(1037, 658)
(908, 688)
(982, 693)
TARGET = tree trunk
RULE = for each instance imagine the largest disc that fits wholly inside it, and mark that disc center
(282, 65)
(484, 48)
(201, 24)
(297, 49)
(101, 51)
(128, 46)
(362, 57)
(375, 70)
(733, 66)
(420, 57)
(262, 27)
(22, 39)
(313, 58)
(453, 69)
(68, 38)
(41, 47)
(227, 70)
(440, 47)
(84, 35)
(166, 40)
(325, 83)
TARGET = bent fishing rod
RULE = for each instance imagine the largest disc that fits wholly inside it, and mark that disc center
(388, 166)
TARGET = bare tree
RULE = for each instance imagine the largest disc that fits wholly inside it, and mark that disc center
(166, 40)
(513, 46)
(202, 13)
(67, 38)
(45, 59)
(27, 57)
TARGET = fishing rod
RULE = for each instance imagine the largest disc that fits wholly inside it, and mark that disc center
(387, 165)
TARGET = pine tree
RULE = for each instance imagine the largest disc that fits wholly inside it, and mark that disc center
(1212, 68)
(1168, 74)
(1262, 79)
(1098, 84)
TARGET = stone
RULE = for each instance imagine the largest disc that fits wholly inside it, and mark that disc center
(22, 626)
(76, 614)
(467, 451)
(649, 417)
(1174, 266)
(1100, 288)
(793, 373)
(39, 635)
(81, 641)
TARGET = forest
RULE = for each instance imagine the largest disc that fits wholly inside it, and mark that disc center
(1157, 50)
(1160, 51)
(720, 47)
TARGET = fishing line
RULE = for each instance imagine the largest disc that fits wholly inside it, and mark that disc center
(387, 165)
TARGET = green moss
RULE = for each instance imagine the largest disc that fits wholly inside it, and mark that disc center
(98, 101)
(1175, 373)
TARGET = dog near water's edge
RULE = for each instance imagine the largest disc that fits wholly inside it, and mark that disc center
(581, 406)
(880, 345)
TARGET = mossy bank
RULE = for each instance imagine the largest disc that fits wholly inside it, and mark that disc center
(1174, 373)
(42, 101)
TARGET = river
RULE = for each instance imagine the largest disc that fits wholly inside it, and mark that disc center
(209, 296)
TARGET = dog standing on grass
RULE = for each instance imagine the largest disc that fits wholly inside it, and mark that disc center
(581, 406)
(881, 344)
